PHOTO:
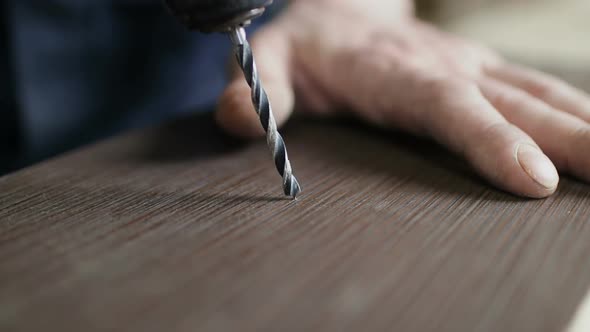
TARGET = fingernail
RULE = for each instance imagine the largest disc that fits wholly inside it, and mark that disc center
(537, 166)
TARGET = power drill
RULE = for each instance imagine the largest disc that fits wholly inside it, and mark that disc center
(230, 17)
(217, 15)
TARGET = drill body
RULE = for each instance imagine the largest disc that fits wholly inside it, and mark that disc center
(216, 15)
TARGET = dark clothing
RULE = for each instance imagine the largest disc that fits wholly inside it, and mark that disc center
(74, 71)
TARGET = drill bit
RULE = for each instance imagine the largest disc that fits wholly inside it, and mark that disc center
(262, 106)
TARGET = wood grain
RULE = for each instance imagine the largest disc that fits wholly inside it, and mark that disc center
(181, 229)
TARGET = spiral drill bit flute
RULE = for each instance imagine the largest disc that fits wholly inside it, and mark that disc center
(264, 110)
(231, 16)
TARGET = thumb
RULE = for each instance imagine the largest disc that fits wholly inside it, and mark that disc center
(271, 47)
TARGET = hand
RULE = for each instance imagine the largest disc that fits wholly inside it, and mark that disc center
(514, 125)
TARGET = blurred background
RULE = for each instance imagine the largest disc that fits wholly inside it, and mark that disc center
(553, 35)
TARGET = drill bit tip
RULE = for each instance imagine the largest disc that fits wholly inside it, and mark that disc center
(294, 189)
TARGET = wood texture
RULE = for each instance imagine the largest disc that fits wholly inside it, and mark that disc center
(182, 229)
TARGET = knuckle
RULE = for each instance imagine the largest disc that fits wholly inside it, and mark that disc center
(444, 88)
(542, 89)
(494, 133)
(503, 100)
(385, 49)
(575, 161)
(542, 85)
(495, 130)
(375, 57)
(581, 136)
(440, 98)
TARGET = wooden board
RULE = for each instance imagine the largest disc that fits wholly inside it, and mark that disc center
(182, 229)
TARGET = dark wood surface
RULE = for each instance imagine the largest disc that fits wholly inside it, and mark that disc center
(182, 229)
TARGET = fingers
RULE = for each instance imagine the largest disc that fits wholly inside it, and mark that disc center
(459, 116)
(551, 90)
(562, 136)
(386, 89)
(235, 113)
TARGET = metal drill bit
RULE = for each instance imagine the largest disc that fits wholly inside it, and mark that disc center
(263, 108)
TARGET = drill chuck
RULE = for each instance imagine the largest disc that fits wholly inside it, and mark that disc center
(216, 15)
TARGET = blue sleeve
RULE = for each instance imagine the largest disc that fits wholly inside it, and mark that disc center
(86, 69)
